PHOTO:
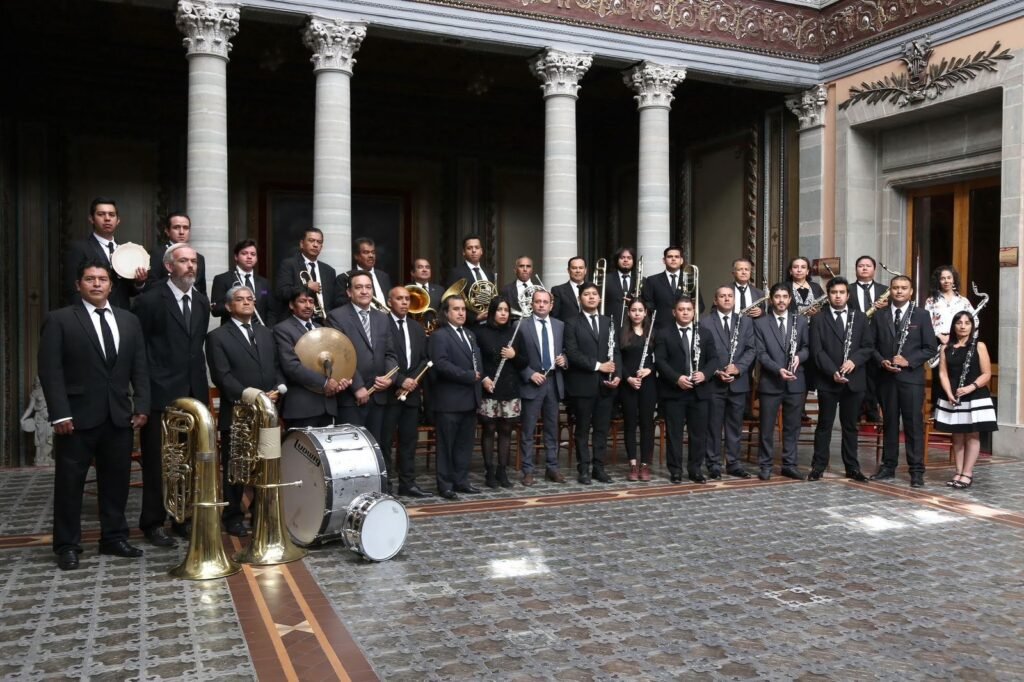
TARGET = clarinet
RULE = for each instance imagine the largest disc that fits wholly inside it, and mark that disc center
(904, 329)
(967, 364)
(848, 340)
(696, 351)
(734, 339)
(611, 349)
(501, 365)
(647, 342)
(792, 341)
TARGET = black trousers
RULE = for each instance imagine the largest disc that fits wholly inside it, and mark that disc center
(871, 396)
(370, 416)
(691, 414)
(902, 401)
(847, 403)
(153, 513)
(111, 448)
(232, 513)
(401, 419)
(792, 408)
(455, 439)
(592, 415)
(311, 422)
(725, 410)
(638, 411)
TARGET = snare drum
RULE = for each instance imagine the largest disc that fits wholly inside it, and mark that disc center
(376, 526)
(336, 464)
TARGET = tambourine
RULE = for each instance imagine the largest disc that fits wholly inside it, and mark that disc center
(129, 257)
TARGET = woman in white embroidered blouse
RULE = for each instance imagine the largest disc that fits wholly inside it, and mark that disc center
(945, 300)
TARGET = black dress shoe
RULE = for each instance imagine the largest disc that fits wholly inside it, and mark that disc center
(857, 476)
(182, 530)
(238, 529)
(697, 478)
(159, 537)
(916, 481)
(740, 473)
(413, 491)
(448, 494)
(792, 472)
(815, 474)
(121, 548)
(713, 474)
(468, 489)
(585, 480)
(765, 474)
(67, 559)
(883, 474)
(675, 478)
(600, 475)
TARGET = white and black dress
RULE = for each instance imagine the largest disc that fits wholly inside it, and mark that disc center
(975, 411)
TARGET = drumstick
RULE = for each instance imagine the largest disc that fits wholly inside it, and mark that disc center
(403, 394)
(386, 376)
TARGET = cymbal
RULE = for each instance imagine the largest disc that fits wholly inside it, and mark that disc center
(325, 348)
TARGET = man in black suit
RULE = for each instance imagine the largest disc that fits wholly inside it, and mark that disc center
(241, 355)
(176, 230)
(523, 283)
(471, 268)
(866, 295)
(905, 341)
(456, 396)
(364, 253)
(842, 343)
(782, 339)
(686, 355)
(401, 417)
(92, 367)
(591, 382)
(567, 295)
(621, 285)
(312, 397)
(542, 386)
(174, 318)
(100, 246)
(730, 383)
(243, 274)
(662, 290)
(743, 291)
(370, 334)
(306, 271)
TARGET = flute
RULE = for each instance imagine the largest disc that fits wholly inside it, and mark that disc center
(403, 394)
(501, 365)
(390, 374)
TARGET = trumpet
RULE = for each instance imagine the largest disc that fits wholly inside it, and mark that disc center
(318, 310)
(598, 277)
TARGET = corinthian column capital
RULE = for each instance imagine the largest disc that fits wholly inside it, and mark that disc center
(334, 43)
(208, 26)
(654, 83)
(809, 106)
(560, 72)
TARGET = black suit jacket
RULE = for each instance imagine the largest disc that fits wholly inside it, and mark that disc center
(827, 340)
(567, 302)
(613, 294)
(918, 348)
(657, 295)
(672, 363)
(287, 282)
(753, 294)
(74, 375)
(158, 273)
(454, 387)
(460, 271)
(745, 352)
(418, 353)
(583, 350)
(305, 397)
(236, 364)
(341, 286)
(511, 292)
(121, 291)
(371, 360)
(877, 289)
(177, 364)
(773, 353)
(226, 280)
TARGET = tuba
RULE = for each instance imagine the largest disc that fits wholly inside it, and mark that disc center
(256, 461)
(191, 487)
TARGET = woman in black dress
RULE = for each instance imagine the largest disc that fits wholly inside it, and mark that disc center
(499, 410)
(967, 409)
(803, 291)
(638, 394)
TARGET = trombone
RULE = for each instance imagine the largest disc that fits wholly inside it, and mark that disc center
(598, 277)
(689, 282)
(638, 283)
(318, 309)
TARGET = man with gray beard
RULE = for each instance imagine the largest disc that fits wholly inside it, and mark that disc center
(174, 316)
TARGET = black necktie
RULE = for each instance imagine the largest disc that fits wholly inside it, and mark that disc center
(593, 325)
(839, 318)
(186, 313)
(249, 333)
(625, 284)
(312, 271)
(743, 297)
(782, 325)
(899, 317)
(476, 275)
(248, 282)
(109, 349)
(309, 326)
(684, 336)
(462, 334)
(673, 282)
(725, 326)
(110, 248)
(867, 295)
(401, 341)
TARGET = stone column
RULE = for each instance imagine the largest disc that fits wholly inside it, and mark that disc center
(208, 28)
(559, 73)
(334, 44)
(653, 84)
(809, 108)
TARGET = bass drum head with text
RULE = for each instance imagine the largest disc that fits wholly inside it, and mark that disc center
(376, 526)
(336, 464)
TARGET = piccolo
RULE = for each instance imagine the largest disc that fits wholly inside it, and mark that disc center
(403, 394)
(390, 374)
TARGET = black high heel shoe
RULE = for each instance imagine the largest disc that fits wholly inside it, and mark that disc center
(951, 483)
(960, 485)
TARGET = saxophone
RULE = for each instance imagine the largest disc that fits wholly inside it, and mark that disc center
(881, 299)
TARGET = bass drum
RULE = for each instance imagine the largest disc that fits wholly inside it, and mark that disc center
(376, 526)
(336, 464)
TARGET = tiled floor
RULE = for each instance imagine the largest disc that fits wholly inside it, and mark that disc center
(735, 580)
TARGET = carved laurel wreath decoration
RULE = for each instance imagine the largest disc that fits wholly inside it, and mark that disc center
(904, 89)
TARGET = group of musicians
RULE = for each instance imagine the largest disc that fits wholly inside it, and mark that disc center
(508, 361)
